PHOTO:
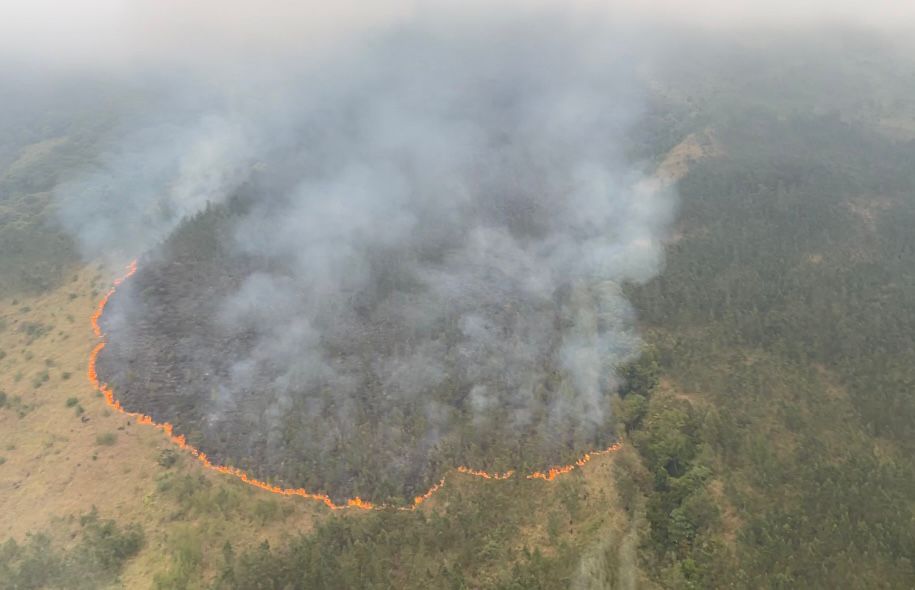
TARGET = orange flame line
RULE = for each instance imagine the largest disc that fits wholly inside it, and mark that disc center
(484, 474)
(357, 502)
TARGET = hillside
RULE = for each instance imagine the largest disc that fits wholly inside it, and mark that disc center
(767, 426)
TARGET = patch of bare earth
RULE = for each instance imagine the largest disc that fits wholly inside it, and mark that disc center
(675, 166)
(694, 147)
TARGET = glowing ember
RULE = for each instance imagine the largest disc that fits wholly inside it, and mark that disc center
(357, 502)
(484, 474)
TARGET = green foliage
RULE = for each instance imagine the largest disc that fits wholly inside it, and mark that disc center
(93, 562)
(641, 376)
(34, 330)
(197, 497)
(186, 556)
(667, 433)
(267, 510)
(78, 409)
(167, 458)
(467, 546)
(788, 306)
(16, 404)
(104, 546)
(631, 411)
(106, 439)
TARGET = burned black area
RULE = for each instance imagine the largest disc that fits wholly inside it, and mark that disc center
(171, 356)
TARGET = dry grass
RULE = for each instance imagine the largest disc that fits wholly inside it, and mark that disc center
(60, 462)
(693, 147)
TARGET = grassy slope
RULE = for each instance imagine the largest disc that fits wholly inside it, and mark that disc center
(55, 467)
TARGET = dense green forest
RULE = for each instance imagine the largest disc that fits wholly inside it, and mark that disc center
(785, 306)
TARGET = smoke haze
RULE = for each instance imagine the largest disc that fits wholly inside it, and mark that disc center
(456, 182)
(440, 217)
(124, 33)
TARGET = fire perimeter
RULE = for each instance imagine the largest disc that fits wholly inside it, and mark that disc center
(357, 502)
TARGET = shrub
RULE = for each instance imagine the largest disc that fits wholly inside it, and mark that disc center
(186, 560)
(35, 330)
(266, 510)
(72, 401)
(40, 378)
(94, 562)
(104, 547)
(168, 457)
(107, 439)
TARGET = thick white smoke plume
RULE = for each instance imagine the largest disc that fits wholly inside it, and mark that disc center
(443, 214)
(151, 179)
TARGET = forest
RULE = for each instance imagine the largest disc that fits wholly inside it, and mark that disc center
(768, 425)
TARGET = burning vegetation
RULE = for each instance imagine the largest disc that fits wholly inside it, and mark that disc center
(416, 263)
(547, 474)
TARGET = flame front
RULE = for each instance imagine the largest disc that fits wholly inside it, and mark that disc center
(485, 474)
(357, 502)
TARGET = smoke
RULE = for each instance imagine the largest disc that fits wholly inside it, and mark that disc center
(148, 181)
(119, 34)
(469, 187)
(442, 214)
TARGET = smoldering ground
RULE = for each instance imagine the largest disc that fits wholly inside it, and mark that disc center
(420, 246)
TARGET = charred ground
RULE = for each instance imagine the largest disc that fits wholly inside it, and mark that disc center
(170, 352)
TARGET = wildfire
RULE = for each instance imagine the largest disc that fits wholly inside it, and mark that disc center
(357, 502)
(555, 471)
(100, 308)
(484, 474)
